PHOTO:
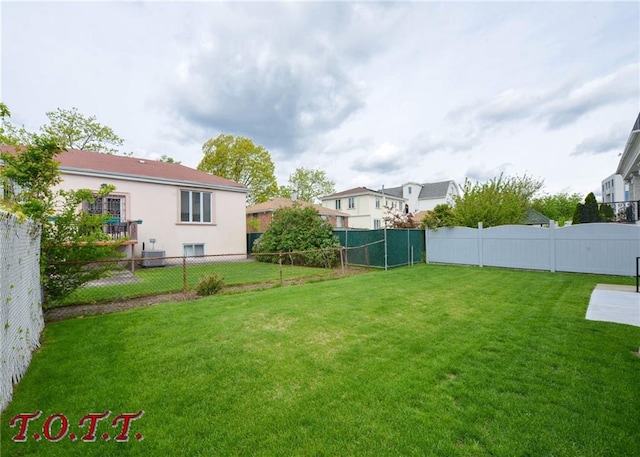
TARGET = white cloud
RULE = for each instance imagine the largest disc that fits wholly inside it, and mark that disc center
(373, 92)
(385, 158)
(604, 142)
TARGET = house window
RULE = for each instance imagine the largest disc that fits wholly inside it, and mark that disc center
(376, 224)
(195, 206)
(377, 202)
(111, 205)
(409, 190)
(193, 250)
(339, 222)
(338, 204)
(352, 202)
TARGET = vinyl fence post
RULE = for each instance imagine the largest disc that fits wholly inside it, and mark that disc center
(553, 225)
(426, 244)
(480, 260)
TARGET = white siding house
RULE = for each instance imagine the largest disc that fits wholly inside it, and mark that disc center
(426, 196)
(629, 166)
(614, 189)
(365, 207)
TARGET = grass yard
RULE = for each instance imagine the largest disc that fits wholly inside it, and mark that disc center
(416, 361)
(170, 279)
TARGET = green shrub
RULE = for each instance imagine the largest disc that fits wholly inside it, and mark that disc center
(210, 284)
(587, 212)
(298, 236)
(606, 213)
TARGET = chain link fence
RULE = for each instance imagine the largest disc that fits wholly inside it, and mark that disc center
(21, 320)
(152, 276)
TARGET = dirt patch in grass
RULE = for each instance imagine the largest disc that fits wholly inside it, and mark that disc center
(67, 312)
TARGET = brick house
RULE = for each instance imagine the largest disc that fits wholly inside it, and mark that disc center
(263, 212)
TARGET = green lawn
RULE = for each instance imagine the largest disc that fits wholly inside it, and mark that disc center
(171, 279)
(424, 360)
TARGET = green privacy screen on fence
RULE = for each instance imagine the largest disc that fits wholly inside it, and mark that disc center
(251, 238)
(366, 247)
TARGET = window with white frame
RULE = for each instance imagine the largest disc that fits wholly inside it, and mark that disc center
(352, 202)
(195, 206)
(377, 202)
(193, 250)
(338, 204)
(376, 224)
(409, 190)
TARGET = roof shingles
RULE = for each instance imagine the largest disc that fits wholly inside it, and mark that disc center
(272, 205)
(75, 160)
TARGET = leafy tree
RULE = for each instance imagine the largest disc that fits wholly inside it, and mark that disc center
(74, 130)
(309, 185)
(68, 235)
(238, 159)
(394, 218)
(441, 216)
(28, 177)
(295, 229)
(500, 201)
(9, 133)
(74, 248)
(284, 191)
(558, 207)
(165, 158)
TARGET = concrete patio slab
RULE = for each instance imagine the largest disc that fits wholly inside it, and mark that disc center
(614, 303)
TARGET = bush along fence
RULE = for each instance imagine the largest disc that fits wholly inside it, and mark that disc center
(21, 320)
(598, 248)
(367, 248)
(144, 277)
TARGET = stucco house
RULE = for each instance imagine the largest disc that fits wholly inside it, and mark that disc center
(165, 206)
(425, 196)
(365, 207)
(259, 216)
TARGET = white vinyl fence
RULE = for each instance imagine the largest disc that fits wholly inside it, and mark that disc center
(21, 320)
(605, 248)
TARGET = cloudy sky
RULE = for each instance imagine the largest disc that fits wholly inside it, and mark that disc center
(373, 93)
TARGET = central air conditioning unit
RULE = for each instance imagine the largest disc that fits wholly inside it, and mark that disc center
(153, 259)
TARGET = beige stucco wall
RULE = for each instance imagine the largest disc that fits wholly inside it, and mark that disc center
(157, 205)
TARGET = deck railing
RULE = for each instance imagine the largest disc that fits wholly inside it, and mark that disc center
(621, 211)
(117, 229)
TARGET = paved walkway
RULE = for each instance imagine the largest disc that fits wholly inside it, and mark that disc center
(614, 303)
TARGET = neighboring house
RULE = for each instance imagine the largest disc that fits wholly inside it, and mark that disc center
(534, 217)
(629, 165)
(426, 196)
(365, 207)
(263, 212)
(614, 189)
(164, 206)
